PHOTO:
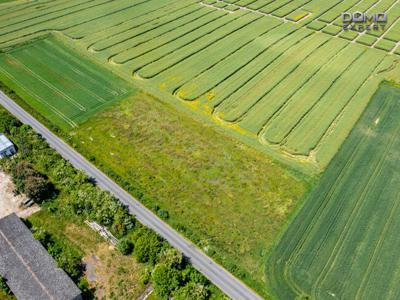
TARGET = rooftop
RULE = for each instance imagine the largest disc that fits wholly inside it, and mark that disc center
(31, 273)
(4, 142)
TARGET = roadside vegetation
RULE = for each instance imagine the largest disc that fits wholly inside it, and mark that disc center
(5, 293)
(75, 199)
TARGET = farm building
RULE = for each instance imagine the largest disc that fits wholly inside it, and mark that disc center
(30, 272)
(7, 148)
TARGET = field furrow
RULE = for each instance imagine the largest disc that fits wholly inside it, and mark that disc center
(233, 108)
(271, 103)
(307, 134)
(309, 94)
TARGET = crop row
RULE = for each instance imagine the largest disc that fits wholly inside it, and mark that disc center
(233, 108)
(274, 79)
(200, 61)
(327, 17)
(55, 79)
(341, 243)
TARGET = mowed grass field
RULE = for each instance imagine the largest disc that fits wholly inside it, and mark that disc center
(279, 75)
(343, 243)
(63, 87)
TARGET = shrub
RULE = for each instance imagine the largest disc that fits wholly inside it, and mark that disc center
(192, 291)
(190, 274)
(4, 287)
(30, 182)
(36, 187)
(145, 276)
(147, 247)
(172, 258)
(67, 258)
(165, 280)
(163, 214)
(125, 246)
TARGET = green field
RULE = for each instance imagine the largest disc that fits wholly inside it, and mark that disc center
(58, 83)
(343, 243)
(326, 17)
(237, 79)
(276, 75)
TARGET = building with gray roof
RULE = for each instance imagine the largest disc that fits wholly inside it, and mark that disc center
(6, 147)
(30, 272)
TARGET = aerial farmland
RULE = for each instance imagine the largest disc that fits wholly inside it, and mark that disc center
(304, 106)
(341, 243)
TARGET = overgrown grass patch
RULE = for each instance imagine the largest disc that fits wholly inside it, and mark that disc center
(228, 198)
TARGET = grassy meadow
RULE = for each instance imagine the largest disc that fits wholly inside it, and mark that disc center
(342, 244)
(190, 171)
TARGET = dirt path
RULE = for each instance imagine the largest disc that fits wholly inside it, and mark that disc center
(10, 203)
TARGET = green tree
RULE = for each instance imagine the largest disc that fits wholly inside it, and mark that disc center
(190, 274)
(37, 188)
(147, 247)
(8, 122)
(42, 236)
(4, 287)
(165, 280)
(30, 182)
(71, 262)
(172, 257)
(192, 291)
(125, 246)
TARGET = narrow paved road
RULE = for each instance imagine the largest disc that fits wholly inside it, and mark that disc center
(214, 272)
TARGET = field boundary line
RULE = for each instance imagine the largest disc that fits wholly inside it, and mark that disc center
(91, 42)
(323, 95)
(52, 18)
(284, 105)
(328, 132)
(83, 88)
(334, 185)
(293, 68)
(114, 54)
(125, 39)
(219, 38)
(108, 14)
(241, 7)
(224, 58)
(378, 246)
(245, 64)
(241, 84)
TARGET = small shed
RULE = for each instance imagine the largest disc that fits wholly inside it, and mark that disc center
(7, 148)
(30, 272)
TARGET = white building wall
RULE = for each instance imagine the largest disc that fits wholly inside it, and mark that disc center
(7, 152)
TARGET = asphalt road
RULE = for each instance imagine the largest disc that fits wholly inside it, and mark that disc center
(214, 272)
